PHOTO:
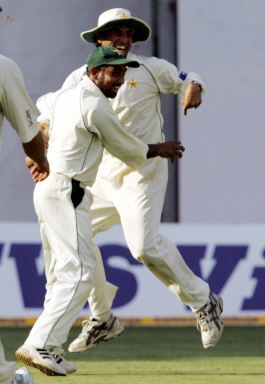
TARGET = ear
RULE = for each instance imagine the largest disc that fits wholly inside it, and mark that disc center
(94, 73)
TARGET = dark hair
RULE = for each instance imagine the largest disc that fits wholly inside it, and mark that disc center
(99, 67)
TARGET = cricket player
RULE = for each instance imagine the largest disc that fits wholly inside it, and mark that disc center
(81, 123)
(138, 107)
(16, 106)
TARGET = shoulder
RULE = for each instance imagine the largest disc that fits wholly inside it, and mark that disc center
(75, 77)
(148, 60)
(6, 62)
(79, 73)
(8, 68)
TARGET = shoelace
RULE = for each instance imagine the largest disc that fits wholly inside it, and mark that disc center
(202, 322)
(58, 357)
(205, 316)
(88, 325)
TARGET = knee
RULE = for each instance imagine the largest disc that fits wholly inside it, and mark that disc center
(143, 254)
(146, 248)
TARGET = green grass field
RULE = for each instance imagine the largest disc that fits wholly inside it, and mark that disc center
(160, 355)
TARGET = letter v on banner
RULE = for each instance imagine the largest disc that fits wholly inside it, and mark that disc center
(227, 258)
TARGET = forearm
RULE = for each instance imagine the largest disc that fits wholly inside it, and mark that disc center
(35, 149)
(153, 150)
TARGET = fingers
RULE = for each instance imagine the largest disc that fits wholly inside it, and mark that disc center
(41, 177)
(37, 177)
(181, 148)
(38, 174)
(184, 109)
(177, 149)
(189, 104)
(34, 170)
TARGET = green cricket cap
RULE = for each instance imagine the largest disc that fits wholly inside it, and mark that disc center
(109, 56)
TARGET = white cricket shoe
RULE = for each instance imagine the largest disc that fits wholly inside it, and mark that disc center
(40, 359)
(23, 376)
(95, 331)
(57, 354)
(209, 321)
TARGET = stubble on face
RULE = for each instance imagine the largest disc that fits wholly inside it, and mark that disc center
(110, 79)
(119, 37)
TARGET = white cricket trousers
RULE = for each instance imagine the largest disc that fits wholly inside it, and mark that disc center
(7, 369)
(136, 198)
(63, 210)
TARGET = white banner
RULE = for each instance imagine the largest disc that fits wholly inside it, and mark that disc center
(230, 258)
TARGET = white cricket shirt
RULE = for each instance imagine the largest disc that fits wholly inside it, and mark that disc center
(137, 103)
(82, 123)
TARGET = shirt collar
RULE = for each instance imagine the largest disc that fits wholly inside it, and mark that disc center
(87, 83)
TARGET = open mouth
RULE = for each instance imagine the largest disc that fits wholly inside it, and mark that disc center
(116, 88)
(123, 49)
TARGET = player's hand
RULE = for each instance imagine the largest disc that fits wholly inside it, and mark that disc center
(167, 150)
(170, 149)
(192, 97)
(39, 172)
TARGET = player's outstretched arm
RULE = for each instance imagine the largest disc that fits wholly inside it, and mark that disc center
(168, 150)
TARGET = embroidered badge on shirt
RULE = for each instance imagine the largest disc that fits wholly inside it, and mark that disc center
(28, 114)
(182, 75)
(132, 84)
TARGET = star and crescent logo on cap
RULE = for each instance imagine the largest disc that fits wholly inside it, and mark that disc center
(117, 51)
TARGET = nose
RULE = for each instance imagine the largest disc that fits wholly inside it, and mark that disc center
(124, 38)
(121, 80)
